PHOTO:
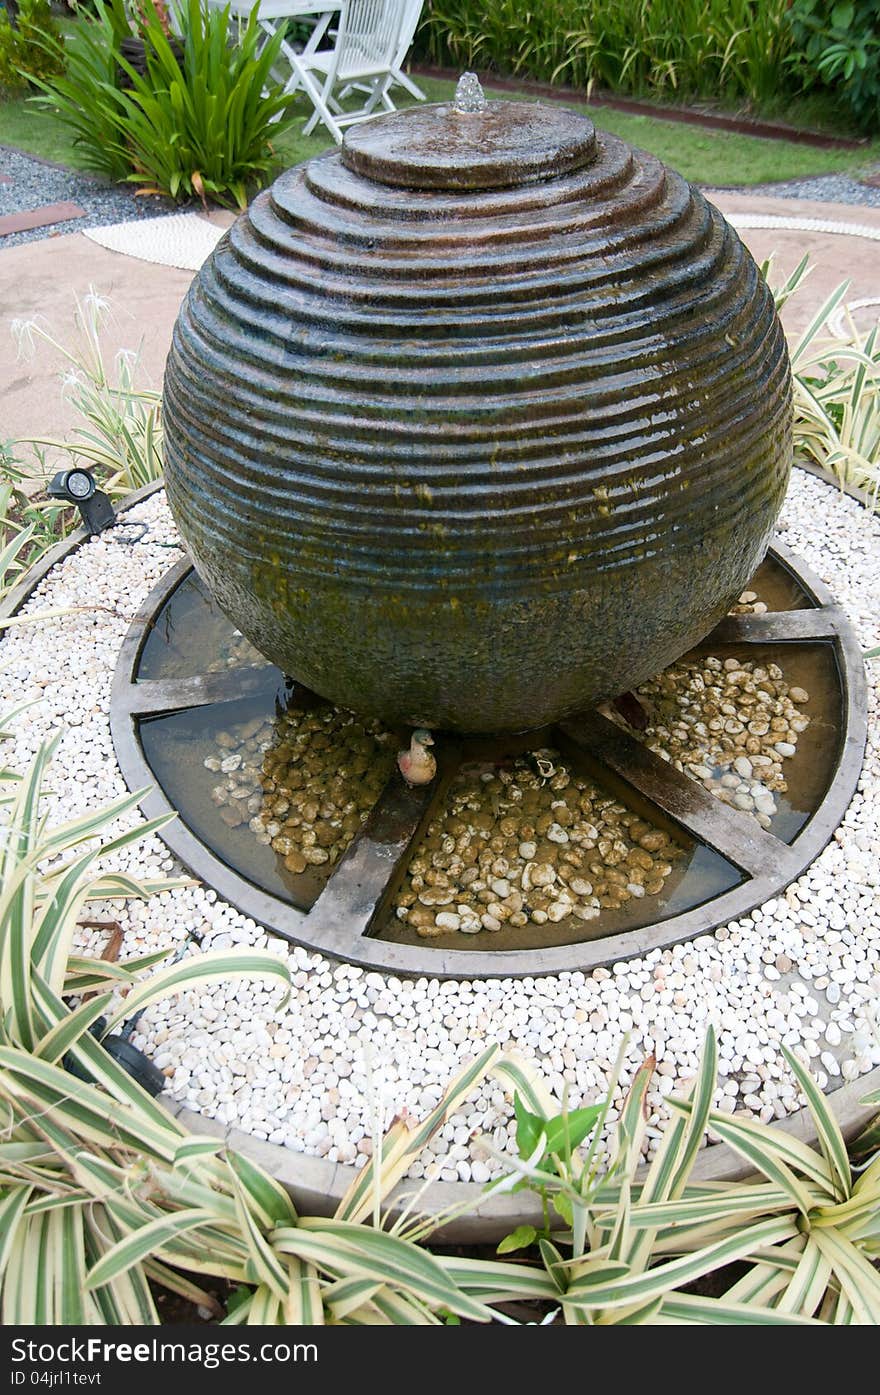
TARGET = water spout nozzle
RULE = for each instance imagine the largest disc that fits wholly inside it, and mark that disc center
(469, 95)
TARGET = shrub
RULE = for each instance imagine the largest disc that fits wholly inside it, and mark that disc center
(118, 435)
(27, 530)
(838, 46)
(202, 128)
(803, 1230)
(736, 49)
(72, 1140)
(30, 48)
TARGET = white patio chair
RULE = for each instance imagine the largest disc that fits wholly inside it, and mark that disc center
(407, 34)
(364, 57)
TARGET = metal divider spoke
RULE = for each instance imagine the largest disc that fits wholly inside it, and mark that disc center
(370, 870)
(777, 627)
(731, 832)
(149, 697)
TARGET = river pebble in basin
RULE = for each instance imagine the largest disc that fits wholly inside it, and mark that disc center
(731, 724)
(530, 843)
(510, 846)
(303, 782)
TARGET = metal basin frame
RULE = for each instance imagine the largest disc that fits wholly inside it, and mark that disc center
(359, 890)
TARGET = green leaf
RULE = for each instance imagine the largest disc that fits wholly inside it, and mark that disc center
(346, 1250)
(562, 1205)
(12, 1208)
(130, 1293)
(808, 1283)
(493, 1281)
(554, 1264)
(518, 1239)
(347, 1295)
(842, 15)
(82, 1108)
(818, 322)
(522, 1078)
(691, 1308)
(196, 1149)
(266, 1197)
(569, 1129)
(59, 1040)
(529, 1129)
(778, 1155)
(69, 1258)
(200, 969)
(148, 1240)
(239, 1296)
(267, 1267)
(599, 1292)
(828, 1131)
(857, 1277)
(304, 1306)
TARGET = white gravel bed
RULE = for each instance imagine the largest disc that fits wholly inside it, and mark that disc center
(351, 1045)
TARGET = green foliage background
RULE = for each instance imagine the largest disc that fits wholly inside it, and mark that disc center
(30, 45)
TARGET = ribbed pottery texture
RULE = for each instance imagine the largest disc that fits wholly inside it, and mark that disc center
(478, 421)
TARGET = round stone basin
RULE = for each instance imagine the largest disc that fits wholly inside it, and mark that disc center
(582, 842)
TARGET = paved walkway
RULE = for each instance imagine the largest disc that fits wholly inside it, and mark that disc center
(40, 278)
(833, 257)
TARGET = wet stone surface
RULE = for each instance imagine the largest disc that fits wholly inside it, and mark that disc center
(518, 846)
(236, 652)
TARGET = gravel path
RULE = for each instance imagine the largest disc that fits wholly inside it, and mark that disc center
(35, 184)
(804, 969)
(825, 188)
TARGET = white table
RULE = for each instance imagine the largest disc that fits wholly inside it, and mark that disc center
(271, 13)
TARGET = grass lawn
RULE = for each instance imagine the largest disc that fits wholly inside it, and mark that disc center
(37, 132)
(702, 155)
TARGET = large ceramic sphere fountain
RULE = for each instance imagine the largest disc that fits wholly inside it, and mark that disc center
(478, 421)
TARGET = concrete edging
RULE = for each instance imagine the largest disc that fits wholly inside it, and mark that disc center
(316, 1186)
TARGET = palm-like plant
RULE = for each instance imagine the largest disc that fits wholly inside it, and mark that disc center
(203, 126)
(807, 1228)
(103, 1193)
(836, 391)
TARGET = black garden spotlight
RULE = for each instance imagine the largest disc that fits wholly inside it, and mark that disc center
(119, 1046)
(78, 487)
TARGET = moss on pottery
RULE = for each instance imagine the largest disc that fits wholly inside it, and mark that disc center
(482, 419)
